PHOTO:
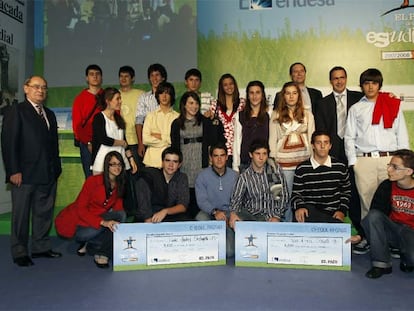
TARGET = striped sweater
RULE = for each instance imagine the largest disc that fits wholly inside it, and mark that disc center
(326, 188)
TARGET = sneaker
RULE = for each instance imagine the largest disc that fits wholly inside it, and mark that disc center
(361, 248)
(395, 252)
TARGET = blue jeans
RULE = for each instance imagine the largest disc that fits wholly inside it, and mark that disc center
(382, 233)
(289, 175)
(99, 240)
(86, 159)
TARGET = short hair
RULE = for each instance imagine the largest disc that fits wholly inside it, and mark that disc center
(193, 72)
(259, 144)
(157, 67)
(407, 157)
(127, 69)
(371, 75)
(218, 145)
(168, 88)
(171, 150)
(93, 67)
(320, 133)
(293, 65)
(29, 79)
(336, 68)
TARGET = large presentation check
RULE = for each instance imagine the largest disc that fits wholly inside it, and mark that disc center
(293, 245)
(169, 245)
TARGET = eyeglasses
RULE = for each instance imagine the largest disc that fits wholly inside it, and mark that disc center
(38, 87)
(115, 164)
(396, 168)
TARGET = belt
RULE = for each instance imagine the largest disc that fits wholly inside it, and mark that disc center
(193, 140)
(377, 154)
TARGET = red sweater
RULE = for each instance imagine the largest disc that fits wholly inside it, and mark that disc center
(83, 104)
(88, 208)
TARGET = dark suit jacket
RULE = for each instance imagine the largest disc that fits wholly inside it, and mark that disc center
(325, 119)
(28, 146)
(314, 94)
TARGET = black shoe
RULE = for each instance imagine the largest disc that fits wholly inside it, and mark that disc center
(23, 261)
(376, 272)
(81, 251)
(406, 268)
(47, 254)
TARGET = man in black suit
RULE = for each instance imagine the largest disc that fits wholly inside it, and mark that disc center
(310, 96)
(328, 113)
(330, 116)
(31, 160)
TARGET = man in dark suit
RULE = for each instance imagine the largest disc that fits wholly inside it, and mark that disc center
(327, 116)
(31, 160)
(330, 116)
(310, 96)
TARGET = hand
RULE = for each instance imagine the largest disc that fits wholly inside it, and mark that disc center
(16, 179)
(354, 239)
(110, 224)
(156, 135)
(134, 167)
(233, 219)
(220, 215)
(339, 215)
(273, 219)
(159, 216)
(141, 150)
(301, 214)
(89, 146)
(209, 114)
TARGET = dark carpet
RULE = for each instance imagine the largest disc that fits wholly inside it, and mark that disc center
(75, 283)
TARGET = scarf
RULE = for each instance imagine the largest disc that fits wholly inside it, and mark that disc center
(386, 107)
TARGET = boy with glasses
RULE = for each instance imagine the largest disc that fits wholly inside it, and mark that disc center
(390, 221)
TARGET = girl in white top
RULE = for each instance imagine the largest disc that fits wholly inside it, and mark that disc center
(109, 132)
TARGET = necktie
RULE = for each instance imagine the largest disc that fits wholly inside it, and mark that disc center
(40, 112)
(341, 115)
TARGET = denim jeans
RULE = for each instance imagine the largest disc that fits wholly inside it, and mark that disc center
(99, 240)
(382, 233)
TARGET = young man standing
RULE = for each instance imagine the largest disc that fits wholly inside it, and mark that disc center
(129, 97)
(163, 194)
(321, 187)
(252, 198)
(147, 102)
(83, 110)
(192, 80)
(390, 221)
(375, 129)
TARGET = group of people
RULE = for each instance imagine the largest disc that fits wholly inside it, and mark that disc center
(311, 159)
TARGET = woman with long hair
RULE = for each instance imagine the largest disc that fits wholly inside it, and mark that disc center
(291, 127)
(250, 124)
(226, 107)
(108, 131)
(193, 134)
(97, 211)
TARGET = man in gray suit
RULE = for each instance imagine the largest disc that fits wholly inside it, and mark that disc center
(31, 160)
